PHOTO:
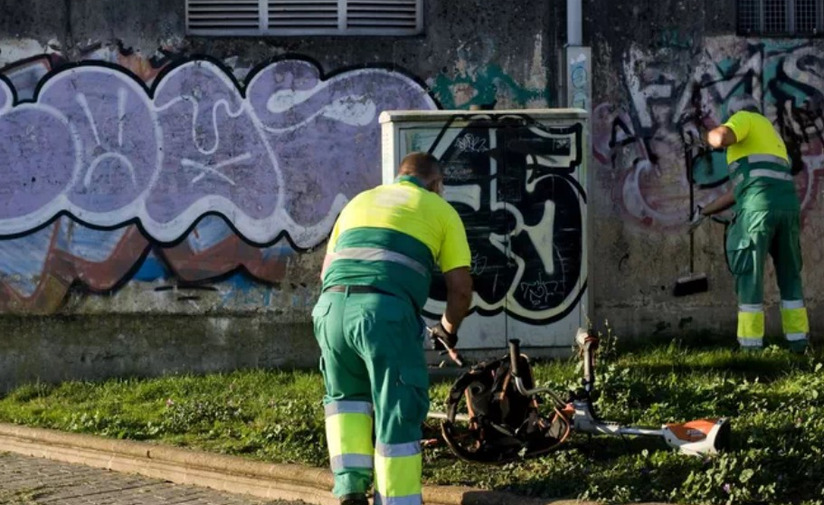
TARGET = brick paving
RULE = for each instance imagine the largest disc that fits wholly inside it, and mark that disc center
(26, 480)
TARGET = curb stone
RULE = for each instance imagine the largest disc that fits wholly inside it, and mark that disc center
(221, 472)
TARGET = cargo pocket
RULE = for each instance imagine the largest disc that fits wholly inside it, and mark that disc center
(319, 312)
(413, 385)
(321, 308)
(382, 328)
(740, 250)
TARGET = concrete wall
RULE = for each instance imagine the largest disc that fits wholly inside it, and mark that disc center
(165, 192)
(655, 65)
(518, 180)
(166, 198)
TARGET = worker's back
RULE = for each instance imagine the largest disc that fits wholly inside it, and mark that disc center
(391, 237)
(759, 165)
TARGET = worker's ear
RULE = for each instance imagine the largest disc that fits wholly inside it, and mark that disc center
(436, 185)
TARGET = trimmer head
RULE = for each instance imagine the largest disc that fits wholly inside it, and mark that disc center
(702, 436)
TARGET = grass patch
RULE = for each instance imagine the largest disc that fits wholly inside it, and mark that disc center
(775, 400)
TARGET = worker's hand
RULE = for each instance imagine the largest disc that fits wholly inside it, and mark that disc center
(692, 136)
(442, 339)
(697, 220)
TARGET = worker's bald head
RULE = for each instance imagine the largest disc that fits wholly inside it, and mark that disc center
(422, 165)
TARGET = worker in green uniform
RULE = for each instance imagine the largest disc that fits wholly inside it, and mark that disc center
(767, 221)
(375, 280)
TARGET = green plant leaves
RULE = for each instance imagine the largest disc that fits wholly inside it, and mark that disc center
(775, 401)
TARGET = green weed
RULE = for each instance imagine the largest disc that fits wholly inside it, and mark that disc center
(775, 401)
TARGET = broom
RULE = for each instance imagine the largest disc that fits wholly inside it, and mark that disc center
(693, 282)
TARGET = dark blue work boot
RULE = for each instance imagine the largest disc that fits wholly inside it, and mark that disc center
(798, 346)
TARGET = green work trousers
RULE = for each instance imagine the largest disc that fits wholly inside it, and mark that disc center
(375, 374)
(750, 238)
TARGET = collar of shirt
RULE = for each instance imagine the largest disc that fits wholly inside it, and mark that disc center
(410, 178)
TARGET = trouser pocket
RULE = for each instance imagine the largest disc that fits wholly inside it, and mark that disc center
(740, 249)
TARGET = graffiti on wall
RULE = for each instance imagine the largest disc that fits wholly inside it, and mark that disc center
(172, 171)
(579, 87)
(515, 183)
(646, 148)
(487, 83)
(106, 175)
(485, 86)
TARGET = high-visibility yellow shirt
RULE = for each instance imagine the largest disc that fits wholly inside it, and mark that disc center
(391, 237)
(759, 165)
(755, 134)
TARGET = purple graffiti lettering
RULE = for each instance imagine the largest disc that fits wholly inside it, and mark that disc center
(214, 157)
(38, 155)
(117, 142)
(282, 158)
(304, 116)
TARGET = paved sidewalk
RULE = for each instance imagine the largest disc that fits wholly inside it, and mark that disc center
(92, 464)
(25, 480)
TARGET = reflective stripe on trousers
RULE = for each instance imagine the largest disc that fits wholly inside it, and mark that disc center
(751, 325)
(355, 420)
(794, 320)
(398, 474)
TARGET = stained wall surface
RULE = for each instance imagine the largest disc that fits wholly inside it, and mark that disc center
(663, 71)
(166, 198)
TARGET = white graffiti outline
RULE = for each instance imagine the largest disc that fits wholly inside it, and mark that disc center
(214, 168)
(501, 241)
(6, 97)
(355, 109)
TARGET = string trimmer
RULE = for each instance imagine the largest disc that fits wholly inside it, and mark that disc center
(494, 412)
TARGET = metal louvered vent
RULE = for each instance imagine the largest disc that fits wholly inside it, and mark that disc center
(378, 14)
(781, 18)
(304, 17)
(222, 16)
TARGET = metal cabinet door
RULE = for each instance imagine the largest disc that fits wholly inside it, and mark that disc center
(517, 184)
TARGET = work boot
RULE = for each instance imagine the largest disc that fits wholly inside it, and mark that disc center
(354, 499)
(798, 346)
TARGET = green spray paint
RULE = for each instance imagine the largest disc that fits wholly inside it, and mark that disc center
(488, 84)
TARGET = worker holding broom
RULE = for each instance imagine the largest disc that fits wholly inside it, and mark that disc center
(767, 221)
(376, 276)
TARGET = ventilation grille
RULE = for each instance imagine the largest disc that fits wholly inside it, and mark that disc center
(303, 14)
(775, 17)
(781, 18)
(749, 17)
(807, 16)
(304, 17)
(400, 14)
(217, 15)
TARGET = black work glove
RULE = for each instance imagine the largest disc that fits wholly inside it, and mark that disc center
(441, 339)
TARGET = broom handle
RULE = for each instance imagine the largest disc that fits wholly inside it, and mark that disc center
(695, 101)
(692, 255)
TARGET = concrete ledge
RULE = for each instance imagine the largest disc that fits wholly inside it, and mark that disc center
(224, 473)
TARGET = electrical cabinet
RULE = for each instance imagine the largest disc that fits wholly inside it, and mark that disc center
(518, 179)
